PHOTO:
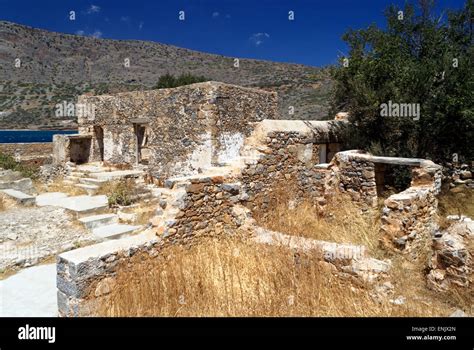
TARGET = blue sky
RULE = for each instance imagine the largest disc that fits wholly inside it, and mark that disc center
(257, 29)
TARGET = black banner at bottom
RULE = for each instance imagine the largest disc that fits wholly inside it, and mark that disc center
(454, 333)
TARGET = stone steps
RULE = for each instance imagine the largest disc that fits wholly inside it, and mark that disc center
(77, 174)
(116, 175)
(96, 221)
(72, 178)
(90, 189)
(92, 181)
(84, 205)
(114, 231)
(20, 197)
(49, 198)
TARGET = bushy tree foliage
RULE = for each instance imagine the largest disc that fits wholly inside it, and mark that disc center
(418, 58)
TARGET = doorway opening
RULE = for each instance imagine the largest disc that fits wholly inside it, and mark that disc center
(142, 150)
(99, 136)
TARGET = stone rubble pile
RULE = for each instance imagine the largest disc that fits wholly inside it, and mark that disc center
(451, 263)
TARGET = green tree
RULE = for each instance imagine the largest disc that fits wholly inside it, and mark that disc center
(418, 58)
(170, 81)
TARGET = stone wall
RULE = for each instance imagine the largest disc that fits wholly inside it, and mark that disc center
(37, 153)
(200, 205)
(286, 164)
(356, 176)
(85, 275)
(188, 129)
(71, 148)
(409, 218)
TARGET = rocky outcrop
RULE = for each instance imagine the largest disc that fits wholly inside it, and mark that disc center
(14, 180)
(451, 264)
(98, 64)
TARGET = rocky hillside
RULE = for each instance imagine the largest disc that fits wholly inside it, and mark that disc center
(57, 67)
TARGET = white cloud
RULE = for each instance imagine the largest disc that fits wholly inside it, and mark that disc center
(93, 9)
(215, 14)
(97, 34)
(125, 19)
(140, 25)
(258, 38)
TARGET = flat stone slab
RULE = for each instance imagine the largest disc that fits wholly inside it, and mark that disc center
(9, 175)
(90, 189)
(83, 204)
(24, 184)
(49, 198)
(91, 168)
(20, 197)
(95, 221)
(81, 255)
(30, 293)
(116, 175)
(92, 181)
(113, 231)
(330, 251)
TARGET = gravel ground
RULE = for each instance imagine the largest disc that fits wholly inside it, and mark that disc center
(29, 235)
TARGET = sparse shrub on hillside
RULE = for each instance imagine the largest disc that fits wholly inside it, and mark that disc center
(121, 192)
(8, 162)
(170, 81)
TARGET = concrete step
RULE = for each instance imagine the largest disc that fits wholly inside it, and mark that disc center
(114, 231)
(92, 181)
(77, 173)
(85, 205)
(72, 178)
(96, 221)
(49, 198)
(91, 189)
(117, 175)
(20, 197)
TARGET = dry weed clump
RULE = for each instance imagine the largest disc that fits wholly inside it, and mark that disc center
(120, 192)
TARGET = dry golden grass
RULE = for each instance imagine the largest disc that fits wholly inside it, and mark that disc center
(343, 222)
(240, 278)
(234, 278)
(461, 203)
(7, 203)
(60, 186)
(145, 212)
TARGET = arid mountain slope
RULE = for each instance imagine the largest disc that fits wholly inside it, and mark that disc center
(55, 67)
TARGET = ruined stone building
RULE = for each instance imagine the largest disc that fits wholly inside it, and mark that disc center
(223, 154)
(174, 132)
